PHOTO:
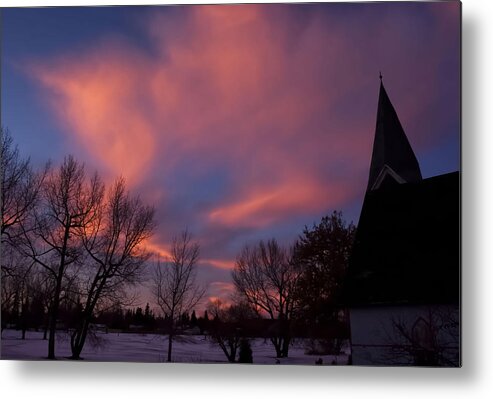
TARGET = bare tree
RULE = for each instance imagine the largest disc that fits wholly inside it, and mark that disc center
(114, 242)
(26, 292)
(20, 191)
(174, 283)
(43, 287)
(432, 339)
(16, 272)
(20, 188)
(266, 278)
(52, 236)
(225, 328)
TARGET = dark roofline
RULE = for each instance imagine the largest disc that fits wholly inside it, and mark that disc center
(407, 245)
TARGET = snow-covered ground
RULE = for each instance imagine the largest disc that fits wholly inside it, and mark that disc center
(150, 348)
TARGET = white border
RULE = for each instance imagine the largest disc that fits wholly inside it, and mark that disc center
(48, 3)
(474, 380)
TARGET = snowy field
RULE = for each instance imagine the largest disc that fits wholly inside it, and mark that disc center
(150, 348)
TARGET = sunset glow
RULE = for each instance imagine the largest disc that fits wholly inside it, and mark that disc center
(238, 123)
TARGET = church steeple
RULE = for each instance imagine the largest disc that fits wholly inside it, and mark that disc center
(393, 159)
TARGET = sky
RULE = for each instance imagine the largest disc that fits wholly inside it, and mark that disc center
(237, 122)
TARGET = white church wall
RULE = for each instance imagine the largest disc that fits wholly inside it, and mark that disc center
(389, 335)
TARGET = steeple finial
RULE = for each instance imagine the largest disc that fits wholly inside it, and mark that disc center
(380, 72)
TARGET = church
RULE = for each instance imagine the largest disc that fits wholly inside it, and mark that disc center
(402, 289)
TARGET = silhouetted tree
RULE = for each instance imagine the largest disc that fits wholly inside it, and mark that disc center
(185, 319)
(174, 283)
(193, 319)
(432, 339)
(139, 316)
(15, 273)
(264, 276)
(321, 255)
(35, 293)
(225, 329)
(20, 188)
(113, 240)
(42, 288)
(203, 322)
(52, 236)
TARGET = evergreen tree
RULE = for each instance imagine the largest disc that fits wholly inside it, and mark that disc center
(185, 319)
(193, 319)
(139, 316)
(322, 254)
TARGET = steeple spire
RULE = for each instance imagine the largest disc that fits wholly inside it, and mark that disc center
(393, 158)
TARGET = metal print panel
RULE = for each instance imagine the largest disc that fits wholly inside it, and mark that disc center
(257, 184)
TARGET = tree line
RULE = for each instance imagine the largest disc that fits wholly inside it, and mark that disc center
(280, 292)
(297, 290)
(72, 247)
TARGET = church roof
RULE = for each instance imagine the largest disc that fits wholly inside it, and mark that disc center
(407, 245)
(392, 154)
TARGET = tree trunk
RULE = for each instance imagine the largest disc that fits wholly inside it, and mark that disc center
(51, 336)
(232, 356)
(56, 296)
(277, 346)
(170, 344)
(170, 335)
(285, 346)
(78, 339)
(53, 318)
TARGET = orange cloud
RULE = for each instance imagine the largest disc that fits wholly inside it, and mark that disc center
(234, 90)
(220, 290)
(269, 205)
(96, 97)
(279, 101)
(220, 263)
(158, 250)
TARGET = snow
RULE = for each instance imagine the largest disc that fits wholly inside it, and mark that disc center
(126, 347)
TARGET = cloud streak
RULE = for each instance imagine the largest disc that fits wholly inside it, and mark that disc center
(242, 118)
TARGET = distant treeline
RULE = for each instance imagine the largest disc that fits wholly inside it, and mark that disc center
(72, 249)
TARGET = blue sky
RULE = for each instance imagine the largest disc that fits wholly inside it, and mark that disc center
(236, 122)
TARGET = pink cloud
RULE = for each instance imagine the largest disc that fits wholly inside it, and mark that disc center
(220, 290)
(96, 98)
(220, 263)
(226, 91)
(284, 103)
(269, 205)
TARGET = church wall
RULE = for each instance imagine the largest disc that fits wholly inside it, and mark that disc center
(405, 335)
